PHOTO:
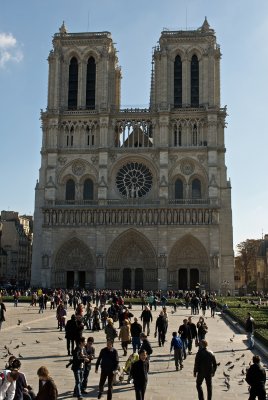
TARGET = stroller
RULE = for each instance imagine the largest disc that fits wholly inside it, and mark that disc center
(127, 368)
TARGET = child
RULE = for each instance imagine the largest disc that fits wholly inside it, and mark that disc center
(176, 343)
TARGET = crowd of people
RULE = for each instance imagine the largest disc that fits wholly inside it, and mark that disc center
(110, 312)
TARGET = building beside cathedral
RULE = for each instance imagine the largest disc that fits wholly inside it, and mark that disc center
(133, 198)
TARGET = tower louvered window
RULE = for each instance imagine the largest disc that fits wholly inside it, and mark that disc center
(73, 84)
(178, 189)
(70, 190)
(91, 84)
(88, 191)
(194, 82)
(177, 82)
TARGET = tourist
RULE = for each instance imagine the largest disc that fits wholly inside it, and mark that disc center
(204, 368)
(147, 318)
(177, 344)
(249, 326)
(256, 378)
(108, 359)
(90, 353)
(47, 387)
(8, 384)
(2, 312)
(139, 374)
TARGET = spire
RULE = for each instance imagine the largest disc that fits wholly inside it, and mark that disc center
(63, 29)
(152, 83)
(205, 27)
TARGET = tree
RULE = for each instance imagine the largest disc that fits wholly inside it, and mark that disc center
(247, 254)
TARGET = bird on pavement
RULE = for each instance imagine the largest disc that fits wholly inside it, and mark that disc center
(37, 341)
(231, 367)
(226, 375)
(60, 338)
(228, 363)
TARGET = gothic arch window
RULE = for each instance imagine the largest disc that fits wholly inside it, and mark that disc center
(177, 135)
(177, 82)
(70, 138)
(88, 190)
(70, 190)
(91, 84)
(73, 84)
(194, 81)
(178, 189)
(194, 135)
(196, 189)
(90, 136)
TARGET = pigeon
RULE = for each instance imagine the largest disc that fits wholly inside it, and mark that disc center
(243, 364)
(37, 341)
(226, 375)
(5, 346)
(237, 359)
(9, 352)
(23, 344)
(218, 364)
(60, 338)
(227, 384)
(19, 321)
(243, 355)
(228, 363)
(10, 341)
(243, 372)
(240, 382)
(231, 367)
(17, 347)
(20, 356)
(233, 351)
(231, 339)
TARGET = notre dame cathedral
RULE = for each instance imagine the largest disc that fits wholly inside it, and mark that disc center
(133, 198)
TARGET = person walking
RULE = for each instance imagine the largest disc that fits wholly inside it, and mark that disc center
(47, 387)
(249, 325)
(70, 334)
(177, 344)
(79, 357)
(204, 368)
(161, 328)
(193, 336)
(135, 330)
(139, 374)
(2, 312)
(256, 378)
(90, 352)
(109, 362)
(146, 318)
(124, 335)
(185, 333)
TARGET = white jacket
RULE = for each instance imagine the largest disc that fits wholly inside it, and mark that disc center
(7, 389)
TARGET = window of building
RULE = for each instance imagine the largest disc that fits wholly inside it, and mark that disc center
(196, 189)
(70, 190)
(88, 191)
(177, 82)
(177, 136)
(194, 81)
(73, 84)
(194, 135)
(91, 83)
(178, 189)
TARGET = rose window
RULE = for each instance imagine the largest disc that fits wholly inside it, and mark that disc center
(134, 180)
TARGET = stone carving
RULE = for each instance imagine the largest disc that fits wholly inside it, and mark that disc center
(213, 181)
(215, 261)
(100, 261)
(187, 167)
(162, 260)
(78, 168)
(201, 158)
(62, 160)
(163, 181)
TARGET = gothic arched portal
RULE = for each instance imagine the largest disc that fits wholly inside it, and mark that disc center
(74, 266)
(188, 264)
(131, 260)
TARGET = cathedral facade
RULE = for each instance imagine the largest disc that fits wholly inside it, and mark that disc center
(133, 198)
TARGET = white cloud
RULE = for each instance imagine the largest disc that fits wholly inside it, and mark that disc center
(9, 49)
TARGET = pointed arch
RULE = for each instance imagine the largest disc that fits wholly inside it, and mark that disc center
(177, 82)
(73, 84)
(188, 251)
(194, 81)
(74, 255)
(91, 83)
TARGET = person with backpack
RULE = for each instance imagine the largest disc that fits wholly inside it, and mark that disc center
(177, 345)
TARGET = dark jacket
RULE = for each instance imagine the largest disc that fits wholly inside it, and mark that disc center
(139, 373)
(249, 324)
(145, 345)
(20, 385)
(193, 329)
(108, 359)
(47, 391)
(135, 329)
(185, 332)
(146, 315)
(78, 358)
(71, 329)
(205, 363)
(256, 375)
(161, 323)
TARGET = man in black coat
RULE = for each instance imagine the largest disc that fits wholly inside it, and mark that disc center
(108, 359)
(147, 318)
(161, 328)
(256, 378)
(139, 373)
(204, 368)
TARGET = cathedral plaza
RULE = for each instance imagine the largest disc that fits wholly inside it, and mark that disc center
(164, 382)
(134, 198)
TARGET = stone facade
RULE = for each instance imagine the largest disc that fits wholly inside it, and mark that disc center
(133, 198)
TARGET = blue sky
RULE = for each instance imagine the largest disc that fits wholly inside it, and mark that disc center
(26, 30)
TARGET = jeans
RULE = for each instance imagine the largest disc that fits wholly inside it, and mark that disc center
(250, 337)
(146, 324)
(87, 369)
(78, 382)
(199, 381)
(136, 344)
(184, 347)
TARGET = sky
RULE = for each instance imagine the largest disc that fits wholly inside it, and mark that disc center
(241, 26)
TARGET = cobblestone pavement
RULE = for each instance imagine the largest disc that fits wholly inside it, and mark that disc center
(164, 381)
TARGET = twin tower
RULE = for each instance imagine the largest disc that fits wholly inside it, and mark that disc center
(133, 198)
